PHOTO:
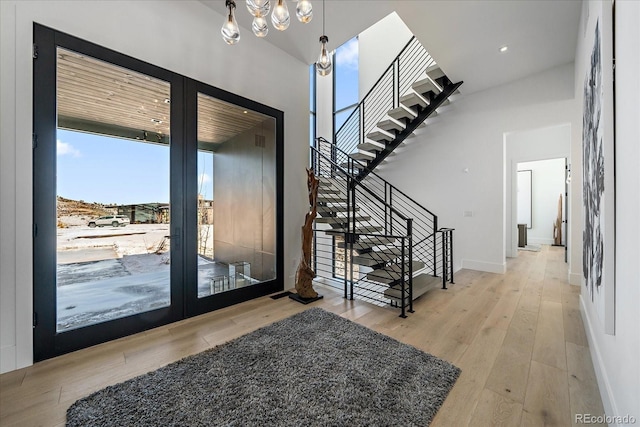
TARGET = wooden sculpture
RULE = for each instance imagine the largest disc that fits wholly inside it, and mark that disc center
(305, 274)
(557, 225)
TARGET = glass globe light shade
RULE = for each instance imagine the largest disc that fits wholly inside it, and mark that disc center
(259, 26)
(280, 16)
(304, 11)
(230, 30)
(259, 8)
(324, 65)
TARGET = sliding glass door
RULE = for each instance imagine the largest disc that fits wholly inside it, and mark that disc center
(155, 197)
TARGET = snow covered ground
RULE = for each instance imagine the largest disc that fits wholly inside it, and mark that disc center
(112, 272)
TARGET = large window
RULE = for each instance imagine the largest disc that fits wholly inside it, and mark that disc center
(112, 191)
(156, 197)
(346, 96)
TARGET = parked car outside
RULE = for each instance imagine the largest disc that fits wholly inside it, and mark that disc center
(112, 220)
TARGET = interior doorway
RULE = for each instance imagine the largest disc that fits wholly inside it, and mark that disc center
(541, 203)
(532, 145)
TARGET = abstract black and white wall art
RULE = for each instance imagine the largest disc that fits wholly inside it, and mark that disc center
(598, 189)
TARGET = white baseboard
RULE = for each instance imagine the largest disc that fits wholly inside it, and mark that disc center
(539, 241)
(8, 359)
(489, 267)
(575, 279)
(606, 394)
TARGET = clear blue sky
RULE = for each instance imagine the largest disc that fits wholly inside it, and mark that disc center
(109, 170)
(346, 68)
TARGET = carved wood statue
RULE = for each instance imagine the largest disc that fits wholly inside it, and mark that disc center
(557, 225)
(305, 274)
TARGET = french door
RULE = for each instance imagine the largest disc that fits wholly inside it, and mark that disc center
(155, 197)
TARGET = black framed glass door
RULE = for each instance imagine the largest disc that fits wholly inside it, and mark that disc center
(132, 169)
(233, 244)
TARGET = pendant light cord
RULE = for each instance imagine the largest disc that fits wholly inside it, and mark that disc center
(323, 31)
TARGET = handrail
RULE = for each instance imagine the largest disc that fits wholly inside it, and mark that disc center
(384, 95)
(359, 184)
(334, 147)
(427, 237)
(377, 81)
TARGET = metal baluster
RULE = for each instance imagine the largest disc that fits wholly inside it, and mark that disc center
(409, 233)
(451, 253)
(402, 283)
(444, 262)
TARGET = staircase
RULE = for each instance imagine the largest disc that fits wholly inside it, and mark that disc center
(373, 240)
(411, 90)
(370, 237)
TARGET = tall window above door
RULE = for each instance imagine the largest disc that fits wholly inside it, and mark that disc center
(346, 81)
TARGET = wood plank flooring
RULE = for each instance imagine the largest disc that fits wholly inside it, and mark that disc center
(517, 337)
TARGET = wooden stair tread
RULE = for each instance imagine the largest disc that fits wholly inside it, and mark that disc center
(391, 273)
(334, 209)
(403, 112)
(413, 98)
(381, 135)
(426, 85)
(340, 219)
(371, 146)
(435, 72)
(362, 156)
(376, 257)
(367, 244)
(389, 123)
(361, 229)
(422, 284)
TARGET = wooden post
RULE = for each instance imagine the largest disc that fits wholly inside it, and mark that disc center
(557, 225)
(305, 274)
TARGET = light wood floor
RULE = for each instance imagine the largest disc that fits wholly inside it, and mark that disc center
(517, 337)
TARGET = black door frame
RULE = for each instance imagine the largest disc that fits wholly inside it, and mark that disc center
(183, 194)
(195, 305)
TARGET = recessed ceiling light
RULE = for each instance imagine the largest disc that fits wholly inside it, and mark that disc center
(245, 111)
(504, 49)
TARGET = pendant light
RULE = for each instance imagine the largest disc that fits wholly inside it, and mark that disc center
(324, 65)
(259, 8)
(280, 16)
(304, 11)
(230, 30)
(259, 26)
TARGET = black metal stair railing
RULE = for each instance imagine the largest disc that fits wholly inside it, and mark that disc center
(427, 238)
(404, 70)
(354, 215)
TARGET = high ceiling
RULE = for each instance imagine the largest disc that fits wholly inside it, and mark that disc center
(462, 36)
(98, 97)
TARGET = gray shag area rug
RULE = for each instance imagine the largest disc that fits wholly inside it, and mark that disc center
(312, 369)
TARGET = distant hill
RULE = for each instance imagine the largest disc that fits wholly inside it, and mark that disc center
(68, 207)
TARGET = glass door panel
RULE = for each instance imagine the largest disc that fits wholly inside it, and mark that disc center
(113, 240)
(236, 220)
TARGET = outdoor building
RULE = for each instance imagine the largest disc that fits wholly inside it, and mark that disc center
(104, 110)
(146, 213)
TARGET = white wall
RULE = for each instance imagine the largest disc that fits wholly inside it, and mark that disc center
(379, 45)
(547, 185)
(181, 36)
(468, 134)
(616, 357)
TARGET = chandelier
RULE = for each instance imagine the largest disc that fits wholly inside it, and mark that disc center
(260, 9)
(280, 20)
